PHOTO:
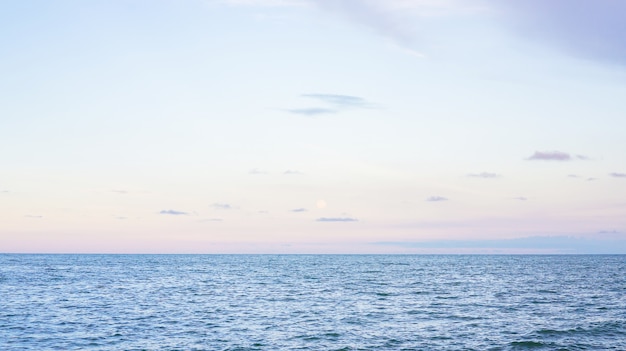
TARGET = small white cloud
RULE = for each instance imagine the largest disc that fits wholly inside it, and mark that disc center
(339, 100)
(222, 206)
(617, 175)
(311, 111)
(549, 156)
(483, 175)
(264, 3)
(299, 210)
(337, 219)
(436, 199)
(292, 172)
(174, 213)
(211, 220)
(257, 171)
(608, 232)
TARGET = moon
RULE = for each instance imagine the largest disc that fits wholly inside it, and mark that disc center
(320, 203)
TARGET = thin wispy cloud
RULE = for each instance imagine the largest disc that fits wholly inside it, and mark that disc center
(257, 171)
(264, 3)
(436, 199)
(520, 198)
(571, 26)
(174, 213)
(550, 156)
(486, 175)
(375, 15)
(312, 111)
(564, 244)
(400, 21)
(591, 29)
(340, 101)
(33, 216)
(575, 176)
(292, 172)
(222, 206)
(609, 232)
(396, 20)
(336, 219)
(299, 210)
(211, 220)
(335, 104)
(617, 175)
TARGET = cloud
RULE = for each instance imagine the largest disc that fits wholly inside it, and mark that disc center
(256, 171)
(4, 191)
(211, 220)
(121, 217)
(483, 175)
(174, 213)
(264, 3)
(592, 29)
(397, 20)
(33, 216)
(520, 198)
(336, 104)
(436, 199)
(575, 176)
(292, 172)
(550, 156)
(609, 232)
(562, 244)
(373, 14)
(222, 206)
(618, 175)
(312, 111)
(299, 210)
(340, 101)
(336, 219)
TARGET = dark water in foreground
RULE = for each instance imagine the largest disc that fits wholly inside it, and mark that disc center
(312, 302)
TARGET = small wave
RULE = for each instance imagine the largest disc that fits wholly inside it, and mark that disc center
(527, 344)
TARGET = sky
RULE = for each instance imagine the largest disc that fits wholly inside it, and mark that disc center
(313, 126)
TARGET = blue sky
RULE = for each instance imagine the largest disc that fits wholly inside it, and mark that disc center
(304, 126)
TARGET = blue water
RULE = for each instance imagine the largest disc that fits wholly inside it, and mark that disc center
(312, 302)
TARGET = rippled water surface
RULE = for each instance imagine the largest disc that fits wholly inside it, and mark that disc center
(312, 302)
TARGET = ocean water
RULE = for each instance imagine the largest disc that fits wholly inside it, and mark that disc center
(312, 302)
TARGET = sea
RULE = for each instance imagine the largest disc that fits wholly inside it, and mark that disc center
(312, 302)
